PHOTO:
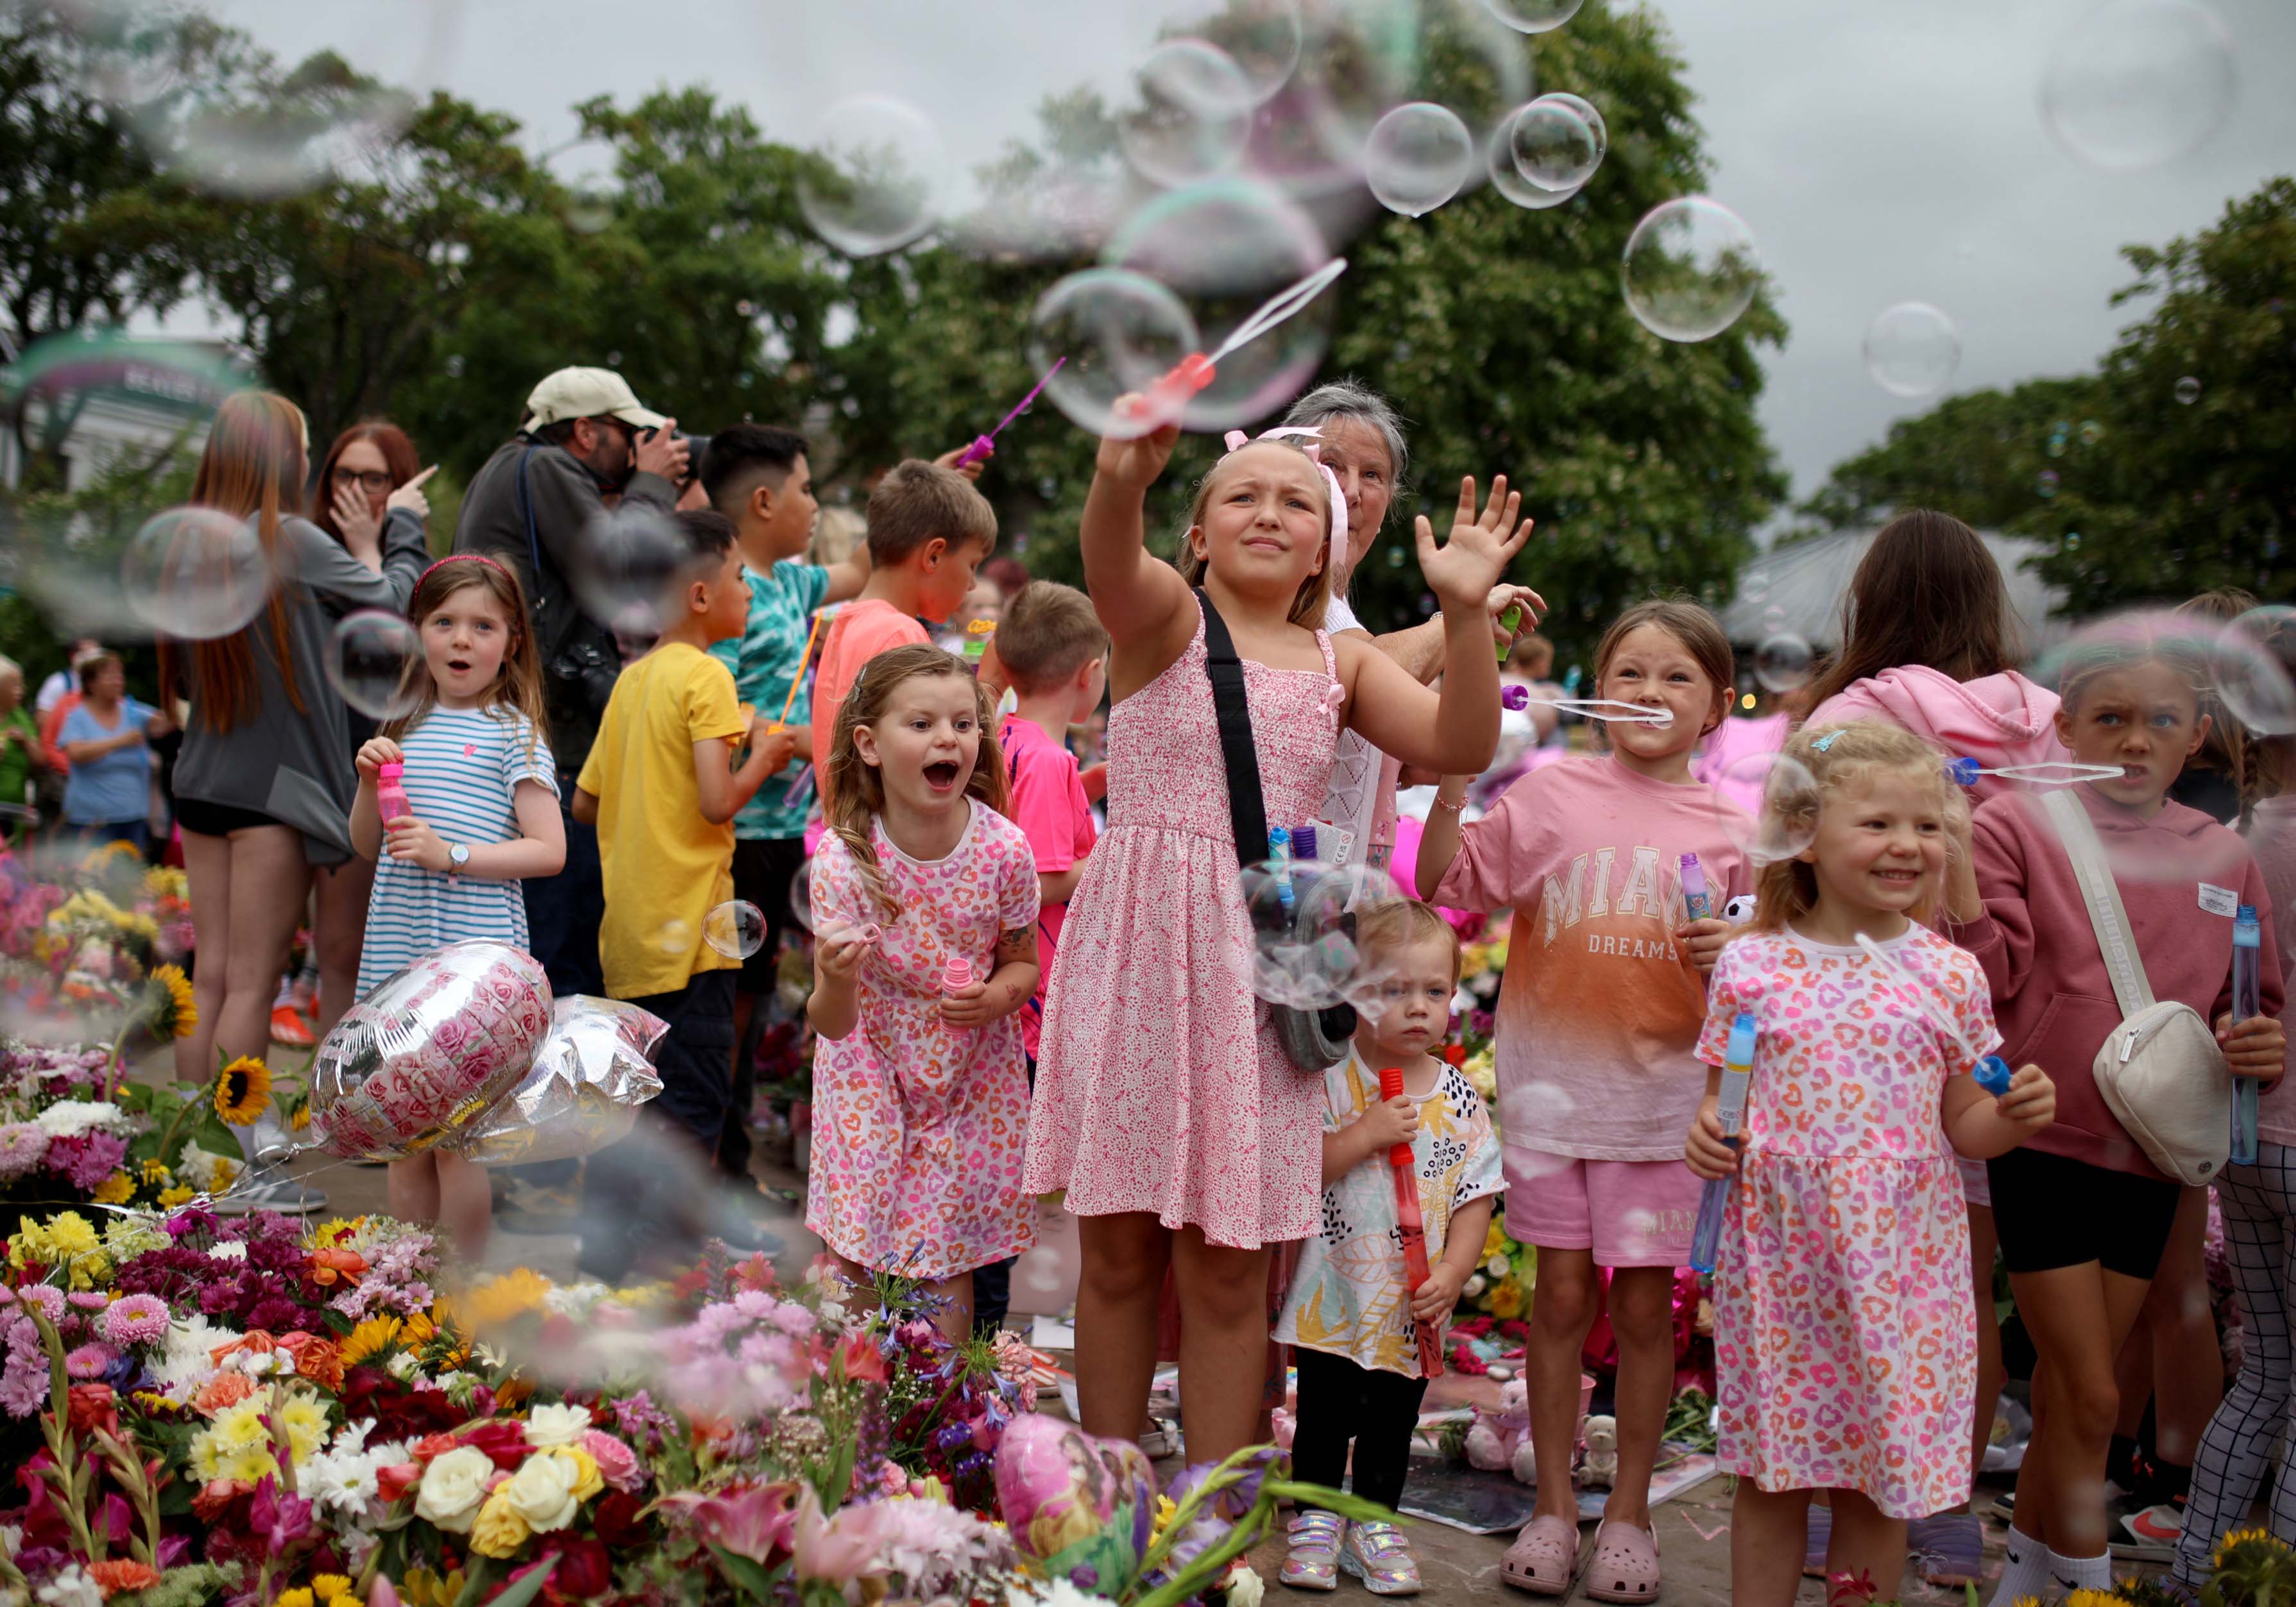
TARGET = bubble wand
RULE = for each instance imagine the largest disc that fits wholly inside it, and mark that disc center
(1519, 698)
(1411, 1228)
(798, 680)
(983, 445)
(1165, 399)
(2247, 956)
(2047, 773)
(1730, 1110)
(1990, 1071)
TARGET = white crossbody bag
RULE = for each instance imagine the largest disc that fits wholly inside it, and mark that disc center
(2160, 1072)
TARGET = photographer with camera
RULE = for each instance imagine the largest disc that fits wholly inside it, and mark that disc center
(586, 440)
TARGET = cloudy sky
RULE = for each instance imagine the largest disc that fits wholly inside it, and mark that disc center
(1882, 150)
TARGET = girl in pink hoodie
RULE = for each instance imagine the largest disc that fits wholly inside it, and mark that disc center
(2084, 1214)
(1928, 644)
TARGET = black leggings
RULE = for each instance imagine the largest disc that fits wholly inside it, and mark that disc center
(1340, 1401)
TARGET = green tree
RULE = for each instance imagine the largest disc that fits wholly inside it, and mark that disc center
(2170, 471)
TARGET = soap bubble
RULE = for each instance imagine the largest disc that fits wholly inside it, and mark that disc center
(1225, 247)
(1191, 114)
(2137, 84)
(1262, 37)
(1912, 350)
(2188, 391)
(735, 929)
(1553, 144)
(1691, 267)
(1783, 662)
(2251, 664)
(1303, 922)
(1767, 804)
(1118, 331)
(1507, 179)
(1533, 16)
(374, 660)
(198, 573)
(2047, 484)
(800, 896)
(625, 560)
(1417, 157)
(876, 177)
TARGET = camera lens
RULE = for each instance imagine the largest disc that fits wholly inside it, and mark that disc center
(697, 447)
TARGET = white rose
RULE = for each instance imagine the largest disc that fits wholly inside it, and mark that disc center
(403, 1366)
(69, 1119)
(1244, 1588)
(542, 1492)
(453, 1485)
(547, 1426)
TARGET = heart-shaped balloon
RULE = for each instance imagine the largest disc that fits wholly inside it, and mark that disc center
(1082, 1507)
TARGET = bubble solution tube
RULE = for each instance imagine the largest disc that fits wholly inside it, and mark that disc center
(1411, 1229)
(1730, 1108)
(1697, 902)
(2247, 956)
(390, 794)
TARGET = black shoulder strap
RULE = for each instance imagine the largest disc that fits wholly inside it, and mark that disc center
(526, 507)
(1247, 811)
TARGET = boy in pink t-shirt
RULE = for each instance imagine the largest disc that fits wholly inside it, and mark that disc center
(1055, 652)
(929, 531)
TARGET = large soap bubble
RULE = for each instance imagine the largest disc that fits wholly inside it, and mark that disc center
(1912, 350)
(1225, 247)
(2137, 84)
(1534, 16)
(2253, 669)
(1417, 157)
(1303, 924)
(625, 559)
(877, 175)
(1554, 144)
(1190, 115)
(198, 573)
(1691, 268)
(1507, 179)
(1767, 803)
(374, 660)
(1785, 662)
(1120, 330)
(735, 929)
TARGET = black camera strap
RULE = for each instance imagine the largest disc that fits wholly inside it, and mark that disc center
(1246, 809)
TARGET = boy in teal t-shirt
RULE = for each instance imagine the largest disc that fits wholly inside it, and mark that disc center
(758, 477)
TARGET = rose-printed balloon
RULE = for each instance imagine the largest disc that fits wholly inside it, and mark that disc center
(1082, 1507)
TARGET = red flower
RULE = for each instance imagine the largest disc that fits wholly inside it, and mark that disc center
(123, 1573)
(584, 1570)
(329, 1266)
(217, 1494)
(92, 1406)
(1456, 1053)
(860, 1360)
(616, 1518)
(393, 1481)
(504, 1442)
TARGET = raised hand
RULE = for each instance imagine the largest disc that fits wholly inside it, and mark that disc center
(355, 517)
(410, 496)
(1461, 572)
(1137, 463)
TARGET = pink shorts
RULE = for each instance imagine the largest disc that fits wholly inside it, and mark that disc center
(1631, 1213)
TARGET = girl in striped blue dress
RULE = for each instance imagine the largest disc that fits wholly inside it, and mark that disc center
(481, 814)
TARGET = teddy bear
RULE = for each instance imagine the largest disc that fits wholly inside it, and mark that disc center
(1501, 1439)
(1599, 1470)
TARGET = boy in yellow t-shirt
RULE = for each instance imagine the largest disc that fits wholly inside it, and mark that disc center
(662, 788)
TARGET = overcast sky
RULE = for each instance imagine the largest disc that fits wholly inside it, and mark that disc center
(1880, 150)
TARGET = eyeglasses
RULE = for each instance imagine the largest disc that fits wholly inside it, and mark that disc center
(367, 479)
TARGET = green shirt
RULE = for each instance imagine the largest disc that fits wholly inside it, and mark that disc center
(764, 659)
(16, 757)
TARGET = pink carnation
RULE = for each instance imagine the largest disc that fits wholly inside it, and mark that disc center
(89, 1158)
(135, 1319)
(618, 1464)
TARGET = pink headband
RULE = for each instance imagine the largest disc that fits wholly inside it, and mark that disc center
(1313, 438)
(459, 557)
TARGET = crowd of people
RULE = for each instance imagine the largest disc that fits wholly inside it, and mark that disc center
(1035, 976)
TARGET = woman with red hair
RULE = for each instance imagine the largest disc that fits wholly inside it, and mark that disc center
(264, 782)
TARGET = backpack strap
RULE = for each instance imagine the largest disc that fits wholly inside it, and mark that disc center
(1247, 811)
(2130, 986)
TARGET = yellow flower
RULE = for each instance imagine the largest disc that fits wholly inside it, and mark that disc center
(1506, 1300)
(1494, 1242)
(327, 1587)
(334, 1233)
(2096, 1598)
(299, 1117)
(2247, 1537)
(173, 1012)
(500, 1299)
(423, 1588)
(155, 1170)
(305, 1423)
(243, 1089)
(171, 1198)
(499, 1531)
(65, 1240)
(236, 1446)
(370, 1338)
(297, 1597)
(114, 1190)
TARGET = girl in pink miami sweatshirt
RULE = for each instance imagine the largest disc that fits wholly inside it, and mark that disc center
(2083, 1214)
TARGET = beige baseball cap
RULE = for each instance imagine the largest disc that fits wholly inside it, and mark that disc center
(588, 393)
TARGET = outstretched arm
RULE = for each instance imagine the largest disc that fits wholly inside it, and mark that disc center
(1140, 598)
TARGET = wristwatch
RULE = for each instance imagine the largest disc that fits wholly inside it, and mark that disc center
(458, 855)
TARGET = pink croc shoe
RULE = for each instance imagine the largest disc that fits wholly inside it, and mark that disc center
(1543, 1557)
(1625, 1566)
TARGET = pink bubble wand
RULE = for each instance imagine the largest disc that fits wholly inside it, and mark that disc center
(1171, 393)
(983, 445)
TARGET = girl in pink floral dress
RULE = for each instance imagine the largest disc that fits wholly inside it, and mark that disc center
(1164, 1106)
(924, 906)
(1845, 1352)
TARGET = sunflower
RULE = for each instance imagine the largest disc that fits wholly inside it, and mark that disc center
(369, 1339)
(243, 1091)
(504, 1296)
(173, 1012)
(299, 1114)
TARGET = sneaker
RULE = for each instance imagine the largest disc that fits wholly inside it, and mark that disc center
(1161, 1442)
(2153, 1533)
(285, 1195)
(288, 1028)
(1314, 1560)
(1379, 1556)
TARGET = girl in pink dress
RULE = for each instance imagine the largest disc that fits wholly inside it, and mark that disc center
(1164, 1106)
(1845, 1354)
(924, 906)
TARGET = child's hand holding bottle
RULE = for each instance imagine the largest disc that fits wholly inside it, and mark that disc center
(2029, 1103)
(373, 755)
(1432, 1301)
(1389, 1122)
(1703, 941)
(1707, 1154)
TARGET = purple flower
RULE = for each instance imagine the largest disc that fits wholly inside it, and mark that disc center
(87, 1158)
(191, 1219)
(135, 1319)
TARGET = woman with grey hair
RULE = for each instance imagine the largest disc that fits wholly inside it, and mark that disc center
(1361, 440)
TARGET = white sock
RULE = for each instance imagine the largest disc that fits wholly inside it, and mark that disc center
(286, 993)
(2024, 1570)
(2082, 1573)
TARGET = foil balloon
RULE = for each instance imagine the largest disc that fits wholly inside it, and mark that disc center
(1084, 1508)
(582, 1092)
(430, 1052)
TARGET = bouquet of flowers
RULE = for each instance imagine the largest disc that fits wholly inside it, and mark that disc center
(82, 930)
